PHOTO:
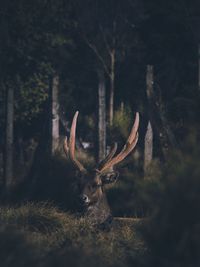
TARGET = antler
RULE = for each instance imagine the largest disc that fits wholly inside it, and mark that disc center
(109, 161)
(109, 156)
(69, 147)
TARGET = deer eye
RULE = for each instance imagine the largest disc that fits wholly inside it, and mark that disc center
(110, 177)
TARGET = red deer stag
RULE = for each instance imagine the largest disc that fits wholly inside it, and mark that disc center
(92, 182)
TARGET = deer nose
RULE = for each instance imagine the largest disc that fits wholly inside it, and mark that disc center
(85, 198)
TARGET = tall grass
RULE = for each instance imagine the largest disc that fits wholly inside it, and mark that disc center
(42, 235)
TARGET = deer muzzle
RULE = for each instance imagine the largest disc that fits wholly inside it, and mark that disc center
(85, 199)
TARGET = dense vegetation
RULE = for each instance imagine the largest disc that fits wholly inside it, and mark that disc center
(40, 234)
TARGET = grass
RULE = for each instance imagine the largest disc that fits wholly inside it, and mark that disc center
(41, 235)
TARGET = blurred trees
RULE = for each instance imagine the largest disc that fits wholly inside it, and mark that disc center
(77, 39)
(171, 32)
(9, 138)
(109, 29)
(30, 47)
(101, 117)
(54, 113)
(172, 233)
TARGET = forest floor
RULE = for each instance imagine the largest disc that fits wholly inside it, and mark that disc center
(41, 235)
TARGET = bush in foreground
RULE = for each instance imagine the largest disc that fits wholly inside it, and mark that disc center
(41, 235)
(173, 233)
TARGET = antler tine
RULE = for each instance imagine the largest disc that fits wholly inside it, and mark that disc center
(69, 147)
(128, 147)
(134, 128)
(73, 136)
(109, 156)
(133, 133)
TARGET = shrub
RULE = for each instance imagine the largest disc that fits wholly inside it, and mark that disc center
(173, 233)
(121, 123)
(16, 249)
(43, 235)
(135, 195)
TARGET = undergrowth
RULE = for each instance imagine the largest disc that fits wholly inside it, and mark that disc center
(41, 235)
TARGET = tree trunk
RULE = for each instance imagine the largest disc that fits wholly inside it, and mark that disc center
(9, 139)
(55, 114)
(149, 81)
(122, 108)
(159, 122)
(112, 88)
(102, 116)
(153, 111)
(20, 144)
(148, 147)
(199, 66)
(2, 135)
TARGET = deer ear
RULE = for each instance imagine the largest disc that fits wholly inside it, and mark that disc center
(110, 177)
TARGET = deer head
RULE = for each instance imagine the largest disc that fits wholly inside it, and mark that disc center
(92, 182)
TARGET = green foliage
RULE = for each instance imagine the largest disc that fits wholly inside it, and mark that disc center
(31, 96)
(122, 122)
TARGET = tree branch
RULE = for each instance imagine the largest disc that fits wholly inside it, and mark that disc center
(95, 50)
(105, 40)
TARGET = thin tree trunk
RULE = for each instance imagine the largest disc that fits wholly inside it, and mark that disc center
(159, 122)
(199, 67)
(153, 110)
(148, 147)
(55, 114)
(9, 139)
(112, 88)
(101, 116)
(122, 107)
(21, 158)
(149, 81)
(3, 104)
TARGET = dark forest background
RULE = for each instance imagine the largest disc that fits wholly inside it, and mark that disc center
(54, 58)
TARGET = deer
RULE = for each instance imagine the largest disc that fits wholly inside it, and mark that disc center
(92, 182)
